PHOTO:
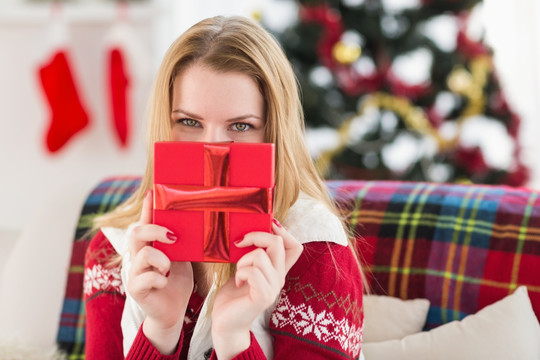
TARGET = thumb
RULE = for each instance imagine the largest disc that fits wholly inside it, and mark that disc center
(146, 213)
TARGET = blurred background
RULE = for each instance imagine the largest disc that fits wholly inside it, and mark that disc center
(417, 90)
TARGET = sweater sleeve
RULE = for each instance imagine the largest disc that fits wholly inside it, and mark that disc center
(319, 311)
(142, 348)
(104, 301)
(253, 352)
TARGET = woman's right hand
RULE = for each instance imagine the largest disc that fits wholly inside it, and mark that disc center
(160, 287)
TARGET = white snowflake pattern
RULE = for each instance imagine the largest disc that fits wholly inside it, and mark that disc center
(100, 278)
(324, 326)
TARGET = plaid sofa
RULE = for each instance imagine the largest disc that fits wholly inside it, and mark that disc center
(460, 246)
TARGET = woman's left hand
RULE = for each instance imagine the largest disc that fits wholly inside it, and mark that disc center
(259, 278)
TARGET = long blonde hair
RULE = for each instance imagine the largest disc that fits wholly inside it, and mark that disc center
(235, 44)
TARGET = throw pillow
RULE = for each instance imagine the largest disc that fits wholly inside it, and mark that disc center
(389, 318)
(507, 329)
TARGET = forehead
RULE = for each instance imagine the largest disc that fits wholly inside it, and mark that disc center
(201, 88)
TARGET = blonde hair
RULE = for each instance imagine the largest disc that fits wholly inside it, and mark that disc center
(235, 44)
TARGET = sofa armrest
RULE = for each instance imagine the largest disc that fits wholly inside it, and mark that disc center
(34, 275)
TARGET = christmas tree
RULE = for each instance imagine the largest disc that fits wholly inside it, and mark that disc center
(400, 89)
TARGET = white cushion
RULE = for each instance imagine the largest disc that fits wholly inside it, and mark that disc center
(507, 329)
(389, 318)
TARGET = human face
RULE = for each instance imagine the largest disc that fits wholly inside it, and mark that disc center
(210, 106)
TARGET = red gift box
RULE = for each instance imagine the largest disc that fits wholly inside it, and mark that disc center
(211, 195)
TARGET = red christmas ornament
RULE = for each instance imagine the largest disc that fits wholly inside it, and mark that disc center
(519, 177)
(465, 45)
(471, 159)
(354, 84)
(68, 115)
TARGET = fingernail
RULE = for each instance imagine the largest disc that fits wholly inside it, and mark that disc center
(171, 236)
(276, 222)
(237, 242)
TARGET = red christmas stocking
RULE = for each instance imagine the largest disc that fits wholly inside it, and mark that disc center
(68, 114)
(118, 81)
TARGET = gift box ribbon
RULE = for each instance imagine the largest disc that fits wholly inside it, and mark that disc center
(216, 199)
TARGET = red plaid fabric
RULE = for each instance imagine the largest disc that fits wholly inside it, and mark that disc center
(460, 246)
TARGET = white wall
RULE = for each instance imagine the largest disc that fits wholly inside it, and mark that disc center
(29, 175)
(512, 29)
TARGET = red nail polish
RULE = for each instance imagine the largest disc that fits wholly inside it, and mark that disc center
(171, 236)
(276, 222)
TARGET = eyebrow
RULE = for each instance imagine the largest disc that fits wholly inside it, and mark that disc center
(193, 115)
(237, 118)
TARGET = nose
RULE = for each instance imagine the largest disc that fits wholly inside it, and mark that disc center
(215, 134)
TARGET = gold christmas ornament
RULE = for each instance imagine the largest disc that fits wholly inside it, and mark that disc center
(256, 15)
(346, 53)
(459, 80)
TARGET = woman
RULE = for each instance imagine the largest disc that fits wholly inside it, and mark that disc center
(298, 295)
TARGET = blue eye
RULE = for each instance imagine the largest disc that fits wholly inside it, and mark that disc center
(241, 127)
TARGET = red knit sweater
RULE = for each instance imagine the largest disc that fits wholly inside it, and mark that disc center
(318, 314)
